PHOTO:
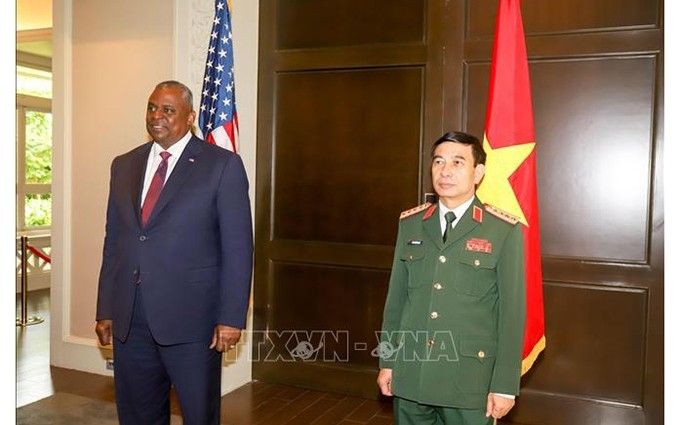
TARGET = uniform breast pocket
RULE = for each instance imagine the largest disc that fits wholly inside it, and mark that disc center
(475, 274)
(414, 258)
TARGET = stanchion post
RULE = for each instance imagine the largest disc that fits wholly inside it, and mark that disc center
(25, 320)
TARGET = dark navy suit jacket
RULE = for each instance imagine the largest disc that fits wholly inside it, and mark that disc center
(193, 258)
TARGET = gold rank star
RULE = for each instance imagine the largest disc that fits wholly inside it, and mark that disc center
(495, 188)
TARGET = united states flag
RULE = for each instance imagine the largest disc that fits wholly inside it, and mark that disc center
(217, 115)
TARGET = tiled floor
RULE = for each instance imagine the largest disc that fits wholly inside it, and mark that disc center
(255, 403)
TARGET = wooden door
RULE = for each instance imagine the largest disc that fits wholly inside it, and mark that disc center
(344, 90)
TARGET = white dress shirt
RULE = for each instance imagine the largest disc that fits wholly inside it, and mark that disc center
(458, 211)
(155, 159)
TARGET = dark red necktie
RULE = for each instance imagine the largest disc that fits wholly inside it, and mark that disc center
(155, 188)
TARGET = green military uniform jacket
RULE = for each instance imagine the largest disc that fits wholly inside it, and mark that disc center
(453, 324)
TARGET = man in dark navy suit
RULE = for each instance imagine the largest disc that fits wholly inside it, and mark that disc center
(177, 265)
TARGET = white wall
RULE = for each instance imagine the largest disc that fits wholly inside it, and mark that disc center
(108, 56)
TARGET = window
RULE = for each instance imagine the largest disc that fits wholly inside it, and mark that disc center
(34, 149)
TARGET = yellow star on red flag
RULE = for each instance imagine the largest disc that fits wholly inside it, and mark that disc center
(495, 188)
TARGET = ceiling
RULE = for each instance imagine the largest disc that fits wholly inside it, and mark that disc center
(34, 27)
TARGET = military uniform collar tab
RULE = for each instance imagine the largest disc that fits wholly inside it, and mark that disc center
(477, 214)
(430, 212)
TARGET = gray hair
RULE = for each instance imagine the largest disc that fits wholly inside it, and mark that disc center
(186, 92)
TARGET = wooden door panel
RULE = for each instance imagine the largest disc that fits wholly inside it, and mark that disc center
(596, 337)
(572, 16)
(332, 23)
(346, 153)
(315, 304)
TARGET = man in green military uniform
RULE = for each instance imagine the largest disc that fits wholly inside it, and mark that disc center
(451, 343)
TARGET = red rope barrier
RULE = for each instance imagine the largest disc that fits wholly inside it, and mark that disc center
(40, 254)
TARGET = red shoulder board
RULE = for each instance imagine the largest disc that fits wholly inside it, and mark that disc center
(477, 214)
(415, 210)
(503, 215)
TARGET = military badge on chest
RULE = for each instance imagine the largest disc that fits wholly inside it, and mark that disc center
(478, 245)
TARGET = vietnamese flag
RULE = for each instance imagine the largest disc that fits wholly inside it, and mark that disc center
(510, 179)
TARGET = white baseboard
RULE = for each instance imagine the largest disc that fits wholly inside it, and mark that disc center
(85, 355)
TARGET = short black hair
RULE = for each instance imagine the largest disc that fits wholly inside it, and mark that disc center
(467, 139)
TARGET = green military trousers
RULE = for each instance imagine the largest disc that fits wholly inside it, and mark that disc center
(408, 412)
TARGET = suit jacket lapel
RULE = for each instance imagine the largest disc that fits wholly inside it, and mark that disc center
(137, 181)
(179, 174)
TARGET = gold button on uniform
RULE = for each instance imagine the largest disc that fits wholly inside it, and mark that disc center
(430, 342)
(442, 259)
(434, 315)
(438, 286)
(481, 354)
(477, 263)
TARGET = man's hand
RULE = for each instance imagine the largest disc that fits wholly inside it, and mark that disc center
(498, 406)
(104, 330)
(385, 382)
(225, 338)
